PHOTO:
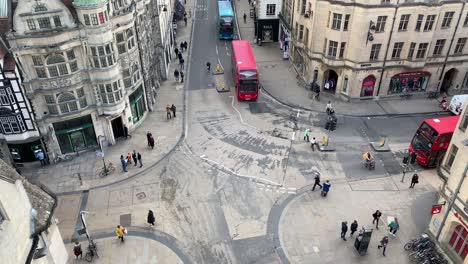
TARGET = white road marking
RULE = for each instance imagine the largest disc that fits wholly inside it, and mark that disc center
(240, 115)
(293, 136)
(298, 112)
(316, 249)
(252, 178)
(216, 50)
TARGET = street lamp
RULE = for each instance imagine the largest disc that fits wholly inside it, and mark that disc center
(102, 154)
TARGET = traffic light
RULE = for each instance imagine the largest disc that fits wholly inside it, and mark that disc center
(412, 158)
(333, 126)
(405, 159)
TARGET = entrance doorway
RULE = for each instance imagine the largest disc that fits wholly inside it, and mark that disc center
(329, 81)
(368, 86)
(447, 82)
(117, 127)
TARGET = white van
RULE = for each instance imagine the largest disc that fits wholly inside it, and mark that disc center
(457, 104)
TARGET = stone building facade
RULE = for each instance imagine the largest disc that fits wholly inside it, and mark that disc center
(452, 233)
(28, 229)
(378, 48)
(90, 67)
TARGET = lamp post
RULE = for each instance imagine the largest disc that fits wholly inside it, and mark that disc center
(102, 154)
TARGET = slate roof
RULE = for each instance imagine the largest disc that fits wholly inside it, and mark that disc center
(43, 202)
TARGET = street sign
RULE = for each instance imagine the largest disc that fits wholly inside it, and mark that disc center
(436, 209)
(99, 154)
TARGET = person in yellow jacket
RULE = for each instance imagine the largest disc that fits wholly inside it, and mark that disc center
(120, 231)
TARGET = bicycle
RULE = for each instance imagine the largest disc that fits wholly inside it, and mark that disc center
(419, 243)
(420, 254)
(61, 157)
(109, 169)
(91, 252)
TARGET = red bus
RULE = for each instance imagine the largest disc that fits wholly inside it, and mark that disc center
(432, 139)
(244, 70)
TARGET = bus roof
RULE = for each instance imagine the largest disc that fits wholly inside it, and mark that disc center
(243, 54)
(225, 8)
(443, 125)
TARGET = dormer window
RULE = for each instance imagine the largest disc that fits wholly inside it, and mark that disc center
(40, 8)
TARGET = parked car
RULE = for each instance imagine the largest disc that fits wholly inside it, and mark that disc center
(457, 104)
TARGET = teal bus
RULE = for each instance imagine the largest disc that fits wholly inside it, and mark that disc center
(225, 20)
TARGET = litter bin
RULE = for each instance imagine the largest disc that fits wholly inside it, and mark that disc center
(362, 240)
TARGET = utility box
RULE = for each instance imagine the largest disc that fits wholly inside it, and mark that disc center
(363, 240)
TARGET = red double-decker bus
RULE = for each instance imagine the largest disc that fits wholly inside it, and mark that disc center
(244, 71)
(432, 139)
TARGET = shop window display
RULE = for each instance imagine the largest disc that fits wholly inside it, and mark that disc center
(409, 82)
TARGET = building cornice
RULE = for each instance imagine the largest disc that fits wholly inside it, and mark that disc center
(390, 5)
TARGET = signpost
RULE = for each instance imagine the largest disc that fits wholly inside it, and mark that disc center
(436, 209)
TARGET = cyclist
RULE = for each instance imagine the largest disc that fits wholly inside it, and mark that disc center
(368, 159)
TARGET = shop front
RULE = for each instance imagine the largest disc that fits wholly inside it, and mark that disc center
(25, 152)
(368, 85)
(137, 105)
(409, 82)
(75, 134)
(267, 30)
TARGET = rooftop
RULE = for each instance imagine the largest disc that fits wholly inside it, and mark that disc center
(40, 200)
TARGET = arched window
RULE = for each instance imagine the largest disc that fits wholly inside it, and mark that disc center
(459, 241)
(67, 102)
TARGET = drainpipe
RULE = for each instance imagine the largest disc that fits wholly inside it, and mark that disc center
(449, 48)
(452, 202)
(387, 48)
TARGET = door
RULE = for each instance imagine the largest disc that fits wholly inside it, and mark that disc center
(77, 140)
(267, 35)
(117, 127)
(434, 158)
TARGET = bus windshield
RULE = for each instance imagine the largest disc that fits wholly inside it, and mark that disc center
(420, 142)
(226, 24)
(248, 85)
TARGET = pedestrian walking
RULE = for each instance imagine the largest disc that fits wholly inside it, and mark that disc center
(124, 163)
(176, 50)
(181, 77)
(180, 56)
(40, 156)
(150, 219)
(306, 135)
(185, 45)
(344, 229)
(354, 226)
(376, 216)
(414, 180)
(313, 143)
(77, 250)
(383, 244)
(317, 181)
(176, 75)
(148, 135)
(134, 157)
(120, 232)
(173, 109)
(249, 1)
(181, 47)
(181, 63)
(328, 107)
(152, 142)
(185, 20)
(168, 112)
(326, 188)
(394, 226)
(139, 159)
(245, 18)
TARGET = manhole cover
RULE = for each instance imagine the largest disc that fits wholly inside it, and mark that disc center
(141, 195)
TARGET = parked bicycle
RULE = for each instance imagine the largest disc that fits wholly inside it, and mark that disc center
(109, 169)
(91, 251)
(61, 157)
(419, 243)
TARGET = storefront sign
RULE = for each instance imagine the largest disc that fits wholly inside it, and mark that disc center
(436, 209)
